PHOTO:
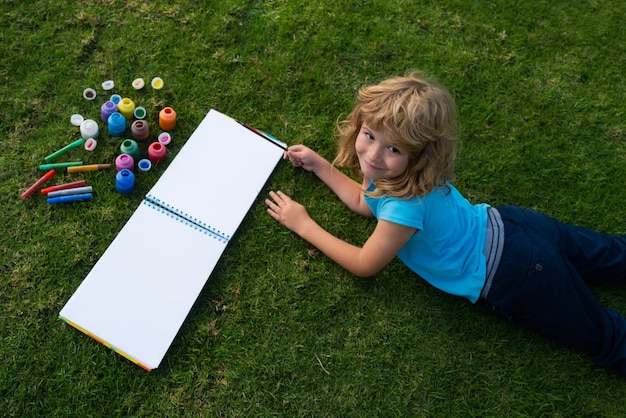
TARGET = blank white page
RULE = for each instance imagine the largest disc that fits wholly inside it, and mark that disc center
(139, 293)
(218, 174)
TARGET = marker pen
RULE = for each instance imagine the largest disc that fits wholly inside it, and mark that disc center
(68, 192)
(60, 165)
(71, 198)
(90, 167)
(38, 184)
(77, 143)
(71, 185)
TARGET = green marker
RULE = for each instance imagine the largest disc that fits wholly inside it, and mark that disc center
(65, 149)
(60, 165)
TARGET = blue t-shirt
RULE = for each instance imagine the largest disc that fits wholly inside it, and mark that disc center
(448, 248)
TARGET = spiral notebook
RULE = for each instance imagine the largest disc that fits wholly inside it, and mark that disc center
(138, 294)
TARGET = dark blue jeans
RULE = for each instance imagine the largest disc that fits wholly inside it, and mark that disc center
(541, 283)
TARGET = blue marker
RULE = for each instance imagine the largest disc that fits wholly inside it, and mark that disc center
(75, 190)
(70, 198)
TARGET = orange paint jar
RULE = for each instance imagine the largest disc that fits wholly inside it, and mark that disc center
(167, 119)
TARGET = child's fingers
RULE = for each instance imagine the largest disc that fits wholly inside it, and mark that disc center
(282, 196)
(293, 153)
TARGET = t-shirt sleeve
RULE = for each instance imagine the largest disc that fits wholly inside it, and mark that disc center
(403, 212)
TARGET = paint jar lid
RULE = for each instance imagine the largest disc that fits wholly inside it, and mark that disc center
(108, 85)
(144, 165)
(76, 119)
(91, 144)
(138, 83)
(157, 83)
(89, 93)
(116, 98)
(140, 112)
(165, 138)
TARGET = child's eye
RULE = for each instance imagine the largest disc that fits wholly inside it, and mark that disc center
(369, 136)
(394, 150)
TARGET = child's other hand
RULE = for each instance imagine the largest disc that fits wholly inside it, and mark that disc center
(287, 211)
(305, 157)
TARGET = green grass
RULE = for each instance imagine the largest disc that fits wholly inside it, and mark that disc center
(279, 330)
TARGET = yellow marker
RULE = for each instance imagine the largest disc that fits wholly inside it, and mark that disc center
(90, 167)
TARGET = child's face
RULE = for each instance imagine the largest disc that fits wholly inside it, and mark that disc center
(378, 158)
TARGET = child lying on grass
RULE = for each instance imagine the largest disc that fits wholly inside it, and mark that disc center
(528, 268)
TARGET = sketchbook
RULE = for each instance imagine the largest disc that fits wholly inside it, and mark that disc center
(138, 294)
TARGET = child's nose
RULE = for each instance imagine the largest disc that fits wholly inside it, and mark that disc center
(375, 154)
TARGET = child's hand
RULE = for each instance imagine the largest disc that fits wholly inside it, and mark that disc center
(286, 211)
(305, 157)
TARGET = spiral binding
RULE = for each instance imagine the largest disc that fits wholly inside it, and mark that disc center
(185, 218)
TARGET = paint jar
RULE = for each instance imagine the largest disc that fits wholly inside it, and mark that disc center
(89, 129)
(167, 119)
(125, 181)
(131, 148)
(140, 130)
(106, 110)
(124, 161)
(117, 124)
(156, 152)
(126, 107)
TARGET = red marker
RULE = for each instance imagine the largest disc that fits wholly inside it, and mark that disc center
(38, 184)
(71, 185)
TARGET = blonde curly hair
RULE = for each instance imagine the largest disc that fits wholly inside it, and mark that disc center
(419, 118)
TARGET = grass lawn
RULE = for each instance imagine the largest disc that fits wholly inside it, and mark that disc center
(280, 330)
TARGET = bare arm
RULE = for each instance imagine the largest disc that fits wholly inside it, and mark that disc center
(349, 191)
(378, 251)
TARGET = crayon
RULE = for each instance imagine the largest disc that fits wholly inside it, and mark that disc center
(71, 185)
(67, 192)
(38, 184)
(60, 165)
(77, 143)
(70, 198)
(91, 167)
